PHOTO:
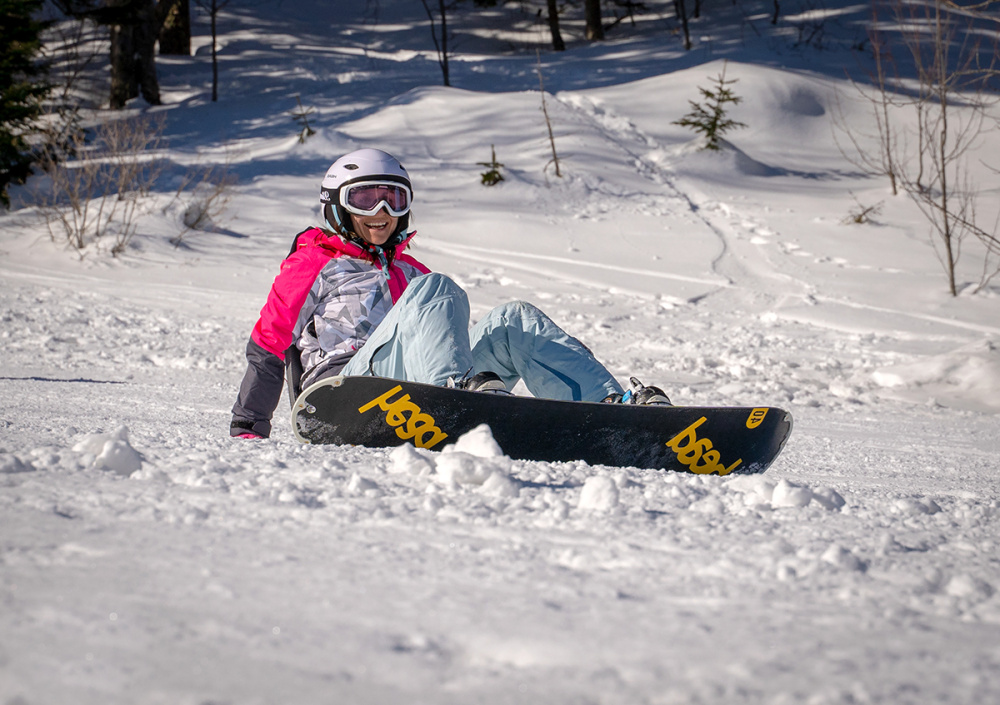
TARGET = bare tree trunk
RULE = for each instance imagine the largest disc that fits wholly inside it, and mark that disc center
(442, 45)
(943, 82)
(135, 26)
(444, 42)
(592, 15)
(145, 32)
(124, 85)
(882, 104)
(681, 10)
(133, 60)
(548, 121)
(215, 53)
(557, 41)
(212, 8)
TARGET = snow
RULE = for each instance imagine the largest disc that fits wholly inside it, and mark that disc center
(145, 557)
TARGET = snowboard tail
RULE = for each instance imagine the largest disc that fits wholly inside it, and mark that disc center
(379, 413)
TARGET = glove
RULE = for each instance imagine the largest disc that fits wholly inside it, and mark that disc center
(248, 435)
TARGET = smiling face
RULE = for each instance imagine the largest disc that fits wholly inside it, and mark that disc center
(375, 229)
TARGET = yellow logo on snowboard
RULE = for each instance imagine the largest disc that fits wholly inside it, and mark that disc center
(756, 418)
(420, 427)
(697, 453)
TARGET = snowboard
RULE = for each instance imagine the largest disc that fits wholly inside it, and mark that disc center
(379, 413)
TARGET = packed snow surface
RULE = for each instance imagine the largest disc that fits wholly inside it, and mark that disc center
(146, 557)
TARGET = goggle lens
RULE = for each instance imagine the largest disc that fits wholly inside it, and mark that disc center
(367, 198)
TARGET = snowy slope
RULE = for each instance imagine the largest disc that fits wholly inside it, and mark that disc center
(147, 558)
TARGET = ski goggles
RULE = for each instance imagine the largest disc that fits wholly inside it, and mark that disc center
(369, 197)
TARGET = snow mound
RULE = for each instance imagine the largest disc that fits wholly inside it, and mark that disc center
(111, 452)
(968, 376)
(693, 158)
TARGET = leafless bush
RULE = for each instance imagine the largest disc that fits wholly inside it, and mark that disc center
(884, 102)
(301, 116)
(952, 104)
(862, 213)
(928, 156)
(206, 192)
(98, 194)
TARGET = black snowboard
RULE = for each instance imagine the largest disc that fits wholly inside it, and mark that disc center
(379, 413)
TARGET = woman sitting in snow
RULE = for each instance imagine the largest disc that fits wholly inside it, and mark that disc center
(348, 301)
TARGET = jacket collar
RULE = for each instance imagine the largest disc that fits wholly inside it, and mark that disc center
(318, 237)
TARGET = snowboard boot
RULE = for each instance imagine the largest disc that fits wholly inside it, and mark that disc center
(638, 393)
(480, 382)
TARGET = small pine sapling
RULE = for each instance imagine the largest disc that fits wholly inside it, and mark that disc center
(301, 116)
(492, 176)
(710, 118)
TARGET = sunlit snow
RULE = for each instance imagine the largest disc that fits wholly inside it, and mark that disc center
(145, 557)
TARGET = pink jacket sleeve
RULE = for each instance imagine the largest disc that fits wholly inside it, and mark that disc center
(289, 291)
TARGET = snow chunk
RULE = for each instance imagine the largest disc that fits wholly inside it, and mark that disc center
(499, 484)
(358, 485)
(111, 451)
(455, 470)
(788, 495)
(709, 506)
(757, 492)
(966, 587)
(840, 557)
(478, 442)
(407, 460)
(762, 494)
(10, 464)
(914, 507)
(476, 460)
(600, 493)
(828, 498)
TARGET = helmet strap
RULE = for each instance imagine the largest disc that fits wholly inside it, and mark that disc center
(337, 225)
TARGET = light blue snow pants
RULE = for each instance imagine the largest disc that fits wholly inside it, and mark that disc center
(426, 338)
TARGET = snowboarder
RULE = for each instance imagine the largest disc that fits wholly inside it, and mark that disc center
(349, 301)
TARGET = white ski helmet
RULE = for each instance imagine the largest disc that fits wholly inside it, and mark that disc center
(366, 167)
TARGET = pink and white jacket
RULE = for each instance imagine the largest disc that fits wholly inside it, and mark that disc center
(327, 299)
